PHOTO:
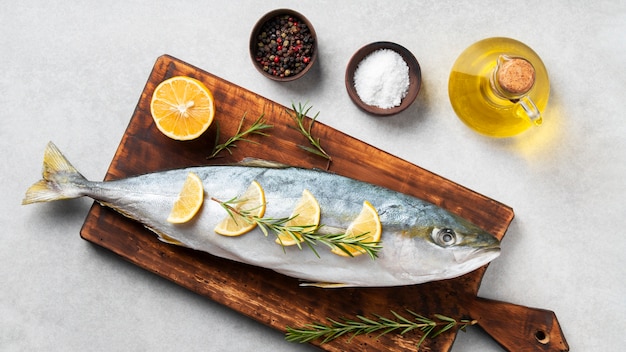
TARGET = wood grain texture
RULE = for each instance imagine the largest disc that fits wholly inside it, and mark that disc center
(518, 328)
(262, 294)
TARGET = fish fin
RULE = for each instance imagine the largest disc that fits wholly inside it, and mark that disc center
(323, 285)
(163, 237)
(167, 239)
(254, 162)
(59, 179)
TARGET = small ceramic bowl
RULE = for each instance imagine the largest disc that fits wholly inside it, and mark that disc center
(415, 77)
(311, 58)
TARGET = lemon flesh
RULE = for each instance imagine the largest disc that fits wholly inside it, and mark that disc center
(252, 204)
(189, 200)
(367, 226)
(306, 215)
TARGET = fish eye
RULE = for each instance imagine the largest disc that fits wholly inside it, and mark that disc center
(444, 237)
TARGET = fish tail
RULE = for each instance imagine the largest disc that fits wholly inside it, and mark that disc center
(60, 179)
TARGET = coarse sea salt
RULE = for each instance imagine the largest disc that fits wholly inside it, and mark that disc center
(382, 79)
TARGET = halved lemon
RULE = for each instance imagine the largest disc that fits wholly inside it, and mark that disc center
(251, 203)
(366, 224)
(182, 107)
(306, 214)
(189, 200)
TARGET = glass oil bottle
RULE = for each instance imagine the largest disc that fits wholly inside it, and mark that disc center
(499, 87)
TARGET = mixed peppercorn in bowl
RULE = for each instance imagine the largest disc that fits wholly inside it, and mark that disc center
(283, 45)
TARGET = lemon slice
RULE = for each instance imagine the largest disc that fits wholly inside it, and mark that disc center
(306, 214)
(182, 107)
(251, 202)
(189, 200)
(366, 224)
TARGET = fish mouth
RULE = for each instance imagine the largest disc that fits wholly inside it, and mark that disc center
(480, 256)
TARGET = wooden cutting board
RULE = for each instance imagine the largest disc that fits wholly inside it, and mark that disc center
(277, 300)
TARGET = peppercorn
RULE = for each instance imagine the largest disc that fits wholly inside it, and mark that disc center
(285, 46)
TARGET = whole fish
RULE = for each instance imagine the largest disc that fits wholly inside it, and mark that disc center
(421, 242)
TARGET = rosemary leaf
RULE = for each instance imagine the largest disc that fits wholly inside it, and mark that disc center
(401, 318)
(444, 318)
(312, 150)
(425, 334)
(445, 328)
(257, 127)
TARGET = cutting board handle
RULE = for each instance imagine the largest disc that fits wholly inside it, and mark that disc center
(518, 328)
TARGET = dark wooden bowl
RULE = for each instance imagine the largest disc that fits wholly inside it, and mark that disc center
(257, 29)
(415, 77)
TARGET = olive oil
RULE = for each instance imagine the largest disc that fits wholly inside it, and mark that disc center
(475, 95)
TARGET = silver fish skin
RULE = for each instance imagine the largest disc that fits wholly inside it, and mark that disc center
(421, 242)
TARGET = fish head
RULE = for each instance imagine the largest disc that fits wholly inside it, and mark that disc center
(466, 248)
(451, 248)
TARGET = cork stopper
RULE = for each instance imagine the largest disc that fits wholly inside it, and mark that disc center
(516, 76)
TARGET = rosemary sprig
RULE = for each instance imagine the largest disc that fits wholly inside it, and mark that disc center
(257, 127)
(309, 233)
(342, 241)
(363, 325)
(298, 116)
